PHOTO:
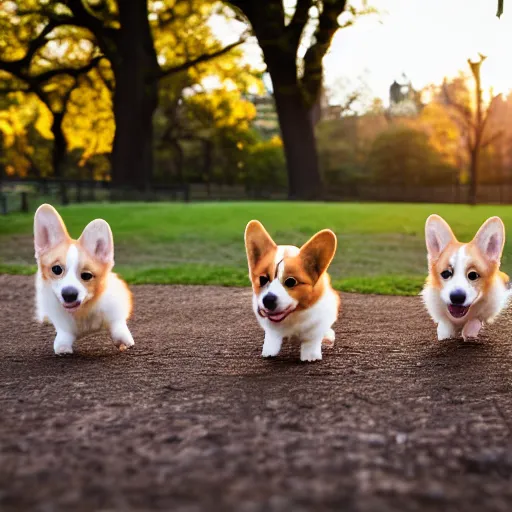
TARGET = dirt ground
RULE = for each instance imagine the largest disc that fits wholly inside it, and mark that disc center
(193, 419)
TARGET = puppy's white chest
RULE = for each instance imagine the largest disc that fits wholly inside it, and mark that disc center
(91, 323)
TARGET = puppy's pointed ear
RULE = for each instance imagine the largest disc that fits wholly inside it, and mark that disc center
(438, 235)
(490, 239)
(258, 243)
(49, 229)
(317, 253)
(97, 240)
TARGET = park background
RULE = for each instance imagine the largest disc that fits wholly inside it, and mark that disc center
(180, 120)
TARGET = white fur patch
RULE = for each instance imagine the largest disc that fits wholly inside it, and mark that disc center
(483, 308)
(309, 326)
(459, 281)
(275, 286)
(71, 276)
(110, 311)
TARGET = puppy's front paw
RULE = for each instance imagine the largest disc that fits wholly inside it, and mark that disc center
(329, 338)
(471, 330)
(270, 350)
(122, 337)
(124, 343)
(271, 346)
(311, 352)
(444, 331)
(62, 349)
(63, 344)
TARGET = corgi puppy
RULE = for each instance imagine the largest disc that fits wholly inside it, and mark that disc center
(292, 298)
(465, 288)
(75, 288)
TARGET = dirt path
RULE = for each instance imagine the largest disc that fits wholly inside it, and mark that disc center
(193, 419)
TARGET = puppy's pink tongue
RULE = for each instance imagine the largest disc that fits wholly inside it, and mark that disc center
(278, 316)
(458, 311)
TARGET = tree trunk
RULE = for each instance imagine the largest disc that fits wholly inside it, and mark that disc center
(135, 97)
(473, 176)
(179, 161)
(299, 145)
(59, 154)
(59, 145)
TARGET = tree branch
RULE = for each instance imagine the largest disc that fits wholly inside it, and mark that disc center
(352, 98)
(198, 60)
(487, 114)
(500, 8)
(106, 37)
(17, 66)
(298, 22)
(493, 138)
(73, 72)
(34, 83)
(464, 111)
(268, 23)
(313, 68)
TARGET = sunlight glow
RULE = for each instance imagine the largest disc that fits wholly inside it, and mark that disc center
(425, 40)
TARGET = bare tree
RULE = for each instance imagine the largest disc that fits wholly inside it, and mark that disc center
(473, 123)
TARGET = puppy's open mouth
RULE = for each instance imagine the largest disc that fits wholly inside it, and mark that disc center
(276, 317)
(72, 306)
(458, 311)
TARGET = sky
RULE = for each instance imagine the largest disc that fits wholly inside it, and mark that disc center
(426, 40)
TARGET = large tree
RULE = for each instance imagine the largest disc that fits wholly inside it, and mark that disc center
(122, 31)
(296, 82)
(33, 66)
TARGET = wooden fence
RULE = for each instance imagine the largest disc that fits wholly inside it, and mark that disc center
(22, 195)
(26, 195)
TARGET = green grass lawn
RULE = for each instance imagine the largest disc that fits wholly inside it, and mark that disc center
(380, 246)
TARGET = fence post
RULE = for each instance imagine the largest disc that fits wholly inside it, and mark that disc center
(64, 194)
(186, 194)
(78, 185)
(91, 195)
(24, 202)
(3, 204)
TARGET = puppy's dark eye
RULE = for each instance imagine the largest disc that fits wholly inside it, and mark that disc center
(473, 276)
(57, 270)
(86, 276)
(264, 280)
(446, 274)
(290, 282)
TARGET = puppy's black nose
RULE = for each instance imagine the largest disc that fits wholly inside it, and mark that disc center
(270, 301)
(458, 297)
(69, 294)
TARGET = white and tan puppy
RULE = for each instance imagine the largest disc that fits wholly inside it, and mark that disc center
(465, 288)
(75, 288)
(293, 298)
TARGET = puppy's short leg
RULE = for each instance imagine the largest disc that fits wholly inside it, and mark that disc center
(329, 338)
(121, 335)
(63, 343)
(271, 344)
(311, 350)
(445, 330)
(471, 329)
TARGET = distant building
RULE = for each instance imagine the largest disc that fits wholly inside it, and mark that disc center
(404, 100)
